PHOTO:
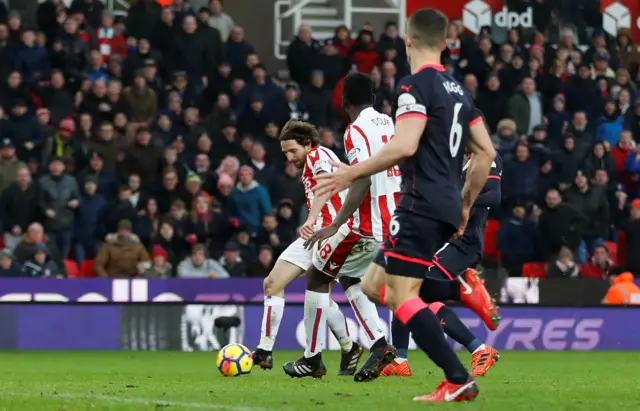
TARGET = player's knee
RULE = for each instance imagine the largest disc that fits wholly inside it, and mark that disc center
(272, 287)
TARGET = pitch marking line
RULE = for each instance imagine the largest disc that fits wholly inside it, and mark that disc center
(144, 401)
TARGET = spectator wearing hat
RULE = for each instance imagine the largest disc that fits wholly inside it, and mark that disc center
(144, 158)
(19, 207)
(628, 250)
(263, 264)
(302, 56)
(199, 266)
(141, 100)
(526, 107)
(317, 101)
(122, 255)
(599, 265)
(9, 267)
(24, 131)
(193, 185)
(59, 199)
(90, 227)
(160, 266)
(61, 144)
(251, 200)
(232, 262)
(40, 265)
(332, 64)
(9, 163)
(364, 52)
(31, 59)
(610, 124)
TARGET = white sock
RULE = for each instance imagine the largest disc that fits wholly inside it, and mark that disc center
(271, 318)
(400, 360)
(482, 347)
(338, 326)
(316, 309)
(366, 312)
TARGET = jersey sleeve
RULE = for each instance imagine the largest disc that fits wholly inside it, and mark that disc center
(476, 116)
(410, 102)
(320, 162)
(356, 144)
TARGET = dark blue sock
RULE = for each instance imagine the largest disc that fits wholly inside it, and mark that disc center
(474, 345)
(428, 335)
(400, 336)
(455, 329)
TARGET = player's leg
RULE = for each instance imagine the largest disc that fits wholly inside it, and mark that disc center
(409, 253)
(374, 279)
(400, 336)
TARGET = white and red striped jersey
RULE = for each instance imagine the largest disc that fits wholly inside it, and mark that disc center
(319, 161)
(363, 138)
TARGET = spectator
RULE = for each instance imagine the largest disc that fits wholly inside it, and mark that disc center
(143, 158)
(141, 100)
(631, 229)
(59, 198)
(160, 267)
(35, 234)
(25, 132)
(611, 124)
(71, 53)
(526, 107)
(583, 94)
(632, 118)
(147, 222)
(8, 267)
(142, 18)
(9, 164)
(566, 163)
(208, 225)
(166, 239)
(220, 20)
(90, 227)
(317, 100)
(191, 54)
(170, 191)
(31, 59)
(558, 121)
(564, 265)
(40, 265)
(364, 52)
(264, 172)
(111, 42)
(516, 241)
(237, 49)
(332, 64)
(520, 183)
(251, 199)
(600, 159)
(559, 224)
(262, 266)
(199, 266)
(303, 56)
(578, 128)
(232, 262)
(19, 207)
(493, 102)
(599, 265)
(122, 255)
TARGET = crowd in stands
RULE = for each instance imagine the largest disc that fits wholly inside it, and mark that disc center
(148, 145)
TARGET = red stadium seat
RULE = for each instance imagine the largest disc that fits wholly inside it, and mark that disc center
(491, 240)
(613, 251)
(73, 271)
(86, 268)
(622, 248)
(534, 270)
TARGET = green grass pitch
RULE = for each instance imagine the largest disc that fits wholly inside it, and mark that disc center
(156, 381)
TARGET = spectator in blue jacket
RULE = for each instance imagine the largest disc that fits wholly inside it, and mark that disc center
(90, 225)
(251, 200)
(517, 241)
(521, 175)
(40, 265)
(25, 131)
(31, 59)
(611, 124)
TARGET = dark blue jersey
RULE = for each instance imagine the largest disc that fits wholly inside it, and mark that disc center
(490, 196)
(431, 180)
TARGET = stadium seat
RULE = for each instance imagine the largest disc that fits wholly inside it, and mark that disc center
(534, 270)
(73, 271)
(613, 251)
(621, 247)
(491, 240)
(86, 268)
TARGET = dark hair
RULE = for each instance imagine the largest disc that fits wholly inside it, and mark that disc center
(302, 132)
(358, 90)
(124, 188)
(428, 28)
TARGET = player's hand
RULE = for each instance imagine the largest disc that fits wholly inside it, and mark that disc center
(335, 181)
(306, 231)
(320, 235)
(463, 222)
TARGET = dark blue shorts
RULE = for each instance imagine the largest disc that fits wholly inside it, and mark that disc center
(413, 242)
(452, 260)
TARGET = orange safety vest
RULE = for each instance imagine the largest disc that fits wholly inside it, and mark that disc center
(623, 291)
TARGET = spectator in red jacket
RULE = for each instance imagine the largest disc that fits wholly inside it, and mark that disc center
(110, 41)
(620, 153)
(364, 53)
(342, 40)
(599, 265)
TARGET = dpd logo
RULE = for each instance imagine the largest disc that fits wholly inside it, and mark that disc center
(615, 17)
(478, 14)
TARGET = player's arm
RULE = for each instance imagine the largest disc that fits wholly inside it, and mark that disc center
(480, 164)
(411, 119)
(491, 194)
(357, 192)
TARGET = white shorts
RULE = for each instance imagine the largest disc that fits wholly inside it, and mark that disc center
(346, 254)
(297, 255)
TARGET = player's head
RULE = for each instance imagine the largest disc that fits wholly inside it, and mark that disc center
(426, 31)
(357, 91)
(297, 138)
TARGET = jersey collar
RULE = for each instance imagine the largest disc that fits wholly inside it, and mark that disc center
(438, 67)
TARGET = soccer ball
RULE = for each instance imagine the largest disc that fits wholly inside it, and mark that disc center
(234, 360)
